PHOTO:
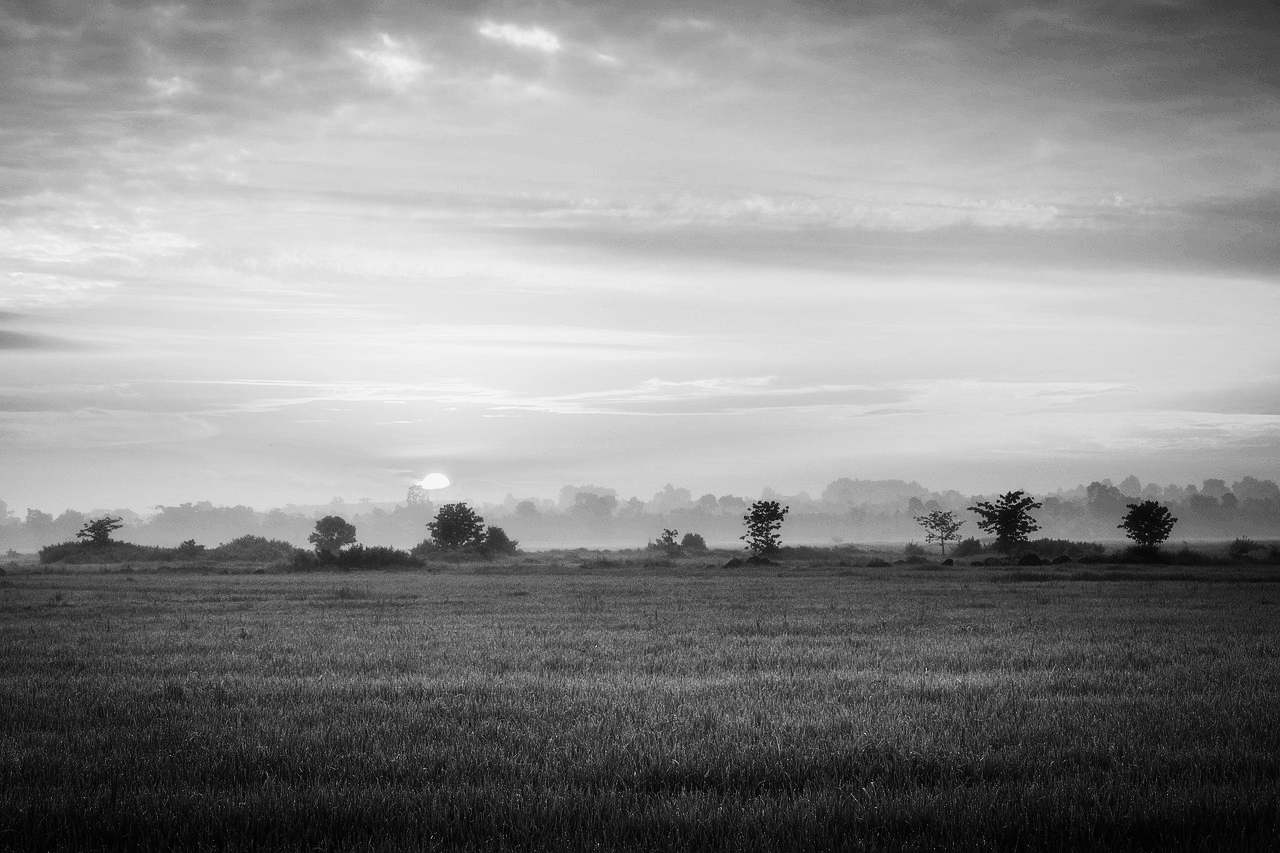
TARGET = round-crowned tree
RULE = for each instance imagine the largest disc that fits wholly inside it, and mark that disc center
(1148, 524)
(332, 534)
(456, 526)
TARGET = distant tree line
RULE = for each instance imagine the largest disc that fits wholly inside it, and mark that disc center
(847, 510)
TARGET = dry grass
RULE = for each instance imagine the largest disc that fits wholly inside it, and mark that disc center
(556, 706)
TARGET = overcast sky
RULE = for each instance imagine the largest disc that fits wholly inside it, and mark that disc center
(270, 252)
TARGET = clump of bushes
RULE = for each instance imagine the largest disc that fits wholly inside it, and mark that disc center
(355, 558)
(81, 553)
(693, 543)
(970, 547)
(1241, 548)
(1047, 549)
(495, 543)
(252, 549)
(1185, 556)
(667, 543)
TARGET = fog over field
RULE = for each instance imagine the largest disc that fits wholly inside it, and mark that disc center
(265, 254)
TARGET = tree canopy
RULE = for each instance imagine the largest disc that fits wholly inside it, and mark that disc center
(98, 530)
(1148, 523)
(456, 526)
(763, 521)
(1008, 519)
(940, 526)
(332, 534)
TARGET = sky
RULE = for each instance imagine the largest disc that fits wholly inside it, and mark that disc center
(274, 252)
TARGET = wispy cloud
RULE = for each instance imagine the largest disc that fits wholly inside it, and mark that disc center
(536, 38)
(390, 64)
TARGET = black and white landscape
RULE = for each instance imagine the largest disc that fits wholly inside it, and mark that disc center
(625, 426)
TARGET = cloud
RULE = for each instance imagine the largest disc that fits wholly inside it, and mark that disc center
(389, 64)
(517, 36)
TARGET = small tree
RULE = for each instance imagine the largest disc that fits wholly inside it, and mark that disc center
(1009, 518)
(332, 534)
(763, 520)
(1148, 524)
(941, 527)
(98, 530)
(456, 526)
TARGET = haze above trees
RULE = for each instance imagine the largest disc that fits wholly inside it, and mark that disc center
(847, 510)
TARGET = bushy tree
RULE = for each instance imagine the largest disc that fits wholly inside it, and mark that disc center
(497, 542)
(1148, 523)
(98, 531)
(667, 543)
(456, 526)
(332, 534)
(693, 543)
(763, 520)
(1008, 519)
(940, 526)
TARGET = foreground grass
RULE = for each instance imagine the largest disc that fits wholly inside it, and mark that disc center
(610, 708)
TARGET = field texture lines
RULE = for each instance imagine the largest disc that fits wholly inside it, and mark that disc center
(697, 709)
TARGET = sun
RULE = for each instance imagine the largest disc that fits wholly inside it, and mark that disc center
(435, 480)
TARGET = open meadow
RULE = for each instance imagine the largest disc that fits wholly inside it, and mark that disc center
(587, 702)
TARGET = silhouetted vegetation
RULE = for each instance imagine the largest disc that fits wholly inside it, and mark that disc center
(97, 532)
(456, 526)
(941, 526)
(1008, 519)
(1148, 524)
(763, 521)
(332, 534)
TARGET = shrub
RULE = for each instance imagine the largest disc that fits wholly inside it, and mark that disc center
(354, 558)
(189, 550)
(913, 549)
(80, 553)
(253, 549)
(1241, 548)
(967, 548)
(497, 543)
(667, 543)
(693, 543)
(1050, 548)
(375, 557)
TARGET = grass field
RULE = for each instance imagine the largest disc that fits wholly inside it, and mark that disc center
(571, 703)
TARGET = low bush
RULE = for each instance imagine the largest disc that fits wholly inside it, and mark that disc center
(914, 549)
(1144, 554)
(1184, 556)
(693, 543)
(252, 549)
(970, 547)
(1241, 548)
(1049, 548)
(82, 553)
(498, 544)
(355, 558)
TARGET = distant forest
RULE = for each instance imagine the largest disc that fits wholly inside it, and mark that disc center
(847, 511)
